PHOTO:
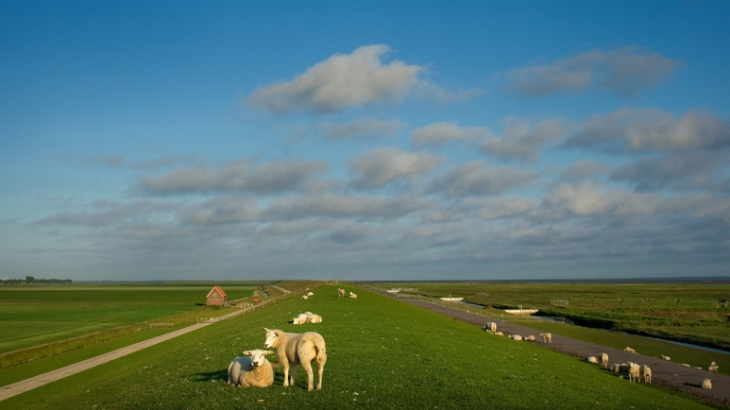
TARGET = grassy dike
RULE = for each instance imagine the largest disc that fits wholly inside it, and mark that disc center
(382, 354)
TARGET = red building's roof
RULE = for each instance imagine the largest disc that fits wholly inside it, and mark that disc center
(218, 289)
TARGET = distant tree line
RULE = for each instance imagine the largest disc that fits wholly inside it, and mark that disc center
(30, 280)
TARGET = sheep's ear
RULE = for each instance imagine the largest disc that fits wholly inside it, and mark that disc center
(266, 329)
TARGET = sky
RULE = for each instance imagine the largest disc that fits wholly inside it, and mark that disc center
(190, 140)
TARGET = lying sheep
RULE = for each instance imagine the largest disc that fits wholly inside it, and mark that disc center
(604, 359)
(530, 338)
(646, 374)
(298, 348)
(629, 350)
(310, 294)
(634, 372)
(307, 317)
(353, 296)
(713, 367)
(305, 297)
(499, 333)
(490, 326)
(515, 337)
(340, 293)
(707, 384)
(592, 359)
(546, 337)
(666, 358)
(253, 370)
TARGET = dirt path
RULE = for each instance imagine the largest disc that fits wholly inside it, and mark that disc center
(664, 373)
(23, 386)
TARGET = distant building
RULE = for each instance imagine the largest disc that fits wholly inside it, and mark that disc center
(216, 297)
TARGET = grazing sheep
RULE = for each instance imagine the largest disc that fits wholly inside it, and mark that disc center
(629, 350)
(253, 370)
(646, 373)
(490, 326)
(713, 367)
(592, 359)
(707, 384)
(546, 337)
(666, 358)
(340, 293)
(530, 338)
(604, 359)
(515, 337)
(634, 372)
(353, 296)
(298, 348)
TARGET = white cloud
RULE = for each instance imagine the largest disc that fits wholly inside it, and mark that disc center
(446, 132)
(363, 128)
(623, 71)
(473, 178)
(651, 129)
(237, 176)
(384, 165)
(523, 140)
(590, 199)
(368, 207)
(340, 82)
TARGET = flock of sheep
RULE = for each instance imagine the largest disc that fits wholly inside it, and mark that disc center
(292, 348)
(632, 370)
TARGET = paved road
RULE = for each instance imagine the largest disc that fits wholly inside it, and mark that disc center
(23, 386)
(664, 373)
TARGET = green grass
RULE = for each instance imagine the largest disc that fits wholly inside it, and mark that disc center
(686, 312)
(35, 315)
(382, 354)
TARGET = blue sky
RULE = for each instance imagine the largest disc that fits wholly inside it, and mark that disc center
(364, 141)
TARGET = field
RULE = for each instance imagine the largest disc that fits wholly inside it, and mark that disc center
(42, 314)
(382, 353)
(686, 312)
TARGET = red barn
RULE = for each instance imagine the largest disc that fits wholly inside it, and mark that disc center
(216, 296)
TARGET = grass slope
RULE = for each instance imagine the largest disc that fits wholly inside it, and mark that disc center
(382, 354)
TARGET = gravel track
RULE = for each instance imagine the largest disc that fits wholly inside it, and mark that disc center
(667, 374)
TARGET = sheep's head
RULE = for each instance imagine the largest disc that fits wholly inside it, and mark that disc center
(271, 338)
(258, 357)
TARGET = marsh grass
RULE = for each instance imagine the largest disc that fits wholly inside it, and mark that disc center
(382, 354)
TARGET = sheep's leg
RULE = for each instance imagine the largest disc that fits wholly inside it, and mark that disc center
(307, 365)
(286, 373)
(320, 368)
(293, 373)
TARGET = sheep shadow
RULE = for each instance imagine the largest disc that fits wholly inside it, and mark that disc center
(698, 385)
(208, 376)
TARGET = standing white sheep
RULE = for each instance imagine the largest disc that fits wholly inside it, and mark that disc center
(707, 384)
(713, 367)
(546, 337)
(634, 372)
(340, 293)
(298, 348)
(604, 359)
(646, 373)
(253, 370)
